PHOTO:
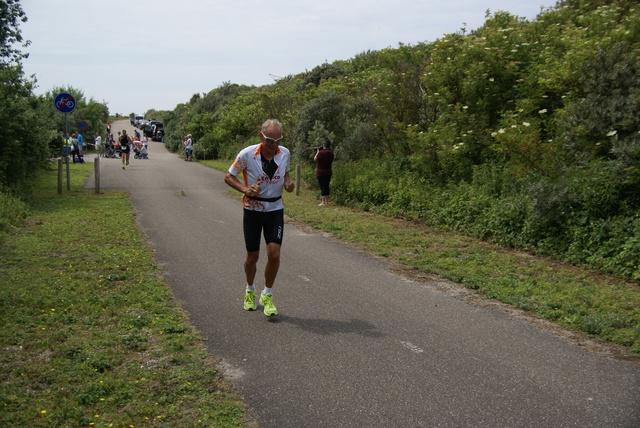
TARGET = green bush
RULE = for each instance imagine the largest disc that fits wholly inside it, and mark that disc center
(581, 221)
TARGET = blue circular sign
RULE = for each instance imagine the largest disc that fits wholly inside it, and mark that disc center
(64, 103)
(83, 125)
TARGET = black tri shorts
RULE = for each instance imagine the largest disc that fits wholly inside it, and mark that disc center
(255, 223)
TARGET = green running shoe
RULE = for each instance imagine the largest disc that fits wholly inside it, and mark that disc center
(250, 301)
(267, 302)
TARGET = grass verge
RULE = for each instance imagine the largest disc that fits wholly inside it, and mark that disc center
(601, 306)
(91, 335)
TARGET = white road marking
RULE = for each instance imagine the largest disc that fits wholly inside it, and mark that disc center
(413, 348)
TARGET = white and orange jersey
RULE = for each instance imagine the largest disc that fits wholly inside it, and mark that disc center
(249, 163)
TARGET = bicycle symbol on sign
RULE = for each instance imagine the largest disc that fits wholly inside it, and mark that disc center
(70, 104)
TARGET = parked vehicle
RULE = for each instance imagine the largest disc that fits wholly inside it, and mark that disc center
(148, 129)
(157, 130)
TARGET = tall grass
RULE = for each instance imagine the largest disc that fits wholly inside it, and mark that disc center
(13, 212)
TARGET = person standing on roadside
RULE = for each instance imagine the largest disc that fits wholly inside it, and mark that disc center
(98, 143)
(66, 147)
(324, 160)
(188, 147)
(265, 169)
(80, 143)
(75, 150)
(125, 148)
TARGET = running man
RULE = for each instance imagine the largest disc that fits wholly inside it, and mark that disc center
(125, 147)
(265, 169)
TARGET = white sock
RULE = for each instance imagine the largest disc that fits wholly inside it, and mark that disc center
(251, 288)
(266, 291)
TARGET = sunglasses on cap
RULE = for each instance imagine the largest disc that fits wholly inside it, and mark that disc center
(271, 140)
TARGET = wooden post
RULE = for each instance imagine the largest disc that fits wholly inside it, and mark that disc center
(60, 176)
(96, 170)
(68, 172)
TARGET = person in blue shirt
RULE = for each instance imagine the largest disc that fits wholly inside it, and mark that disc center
(80, 143)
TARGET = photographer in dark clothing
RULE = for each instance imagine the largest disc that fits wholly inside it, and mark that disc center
(324, 159)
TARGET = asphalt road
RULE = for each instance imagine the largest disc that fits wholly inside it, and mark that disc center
(355, 345)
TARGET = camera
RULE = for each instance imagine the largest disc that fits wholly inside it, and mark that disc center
(318, 148)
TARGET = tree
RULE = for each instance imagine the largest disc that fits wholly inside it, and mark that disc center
(326, 110)
(15, 96)
(11, 14)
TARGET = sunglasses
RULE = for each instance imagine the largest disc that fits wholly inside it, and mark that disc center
(271, 140)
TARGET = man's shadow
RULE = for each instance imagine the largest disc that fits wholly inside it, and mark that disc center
(326, 327)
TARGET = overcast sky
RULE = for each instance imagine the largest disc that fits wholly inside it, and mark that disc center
(136, 55)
